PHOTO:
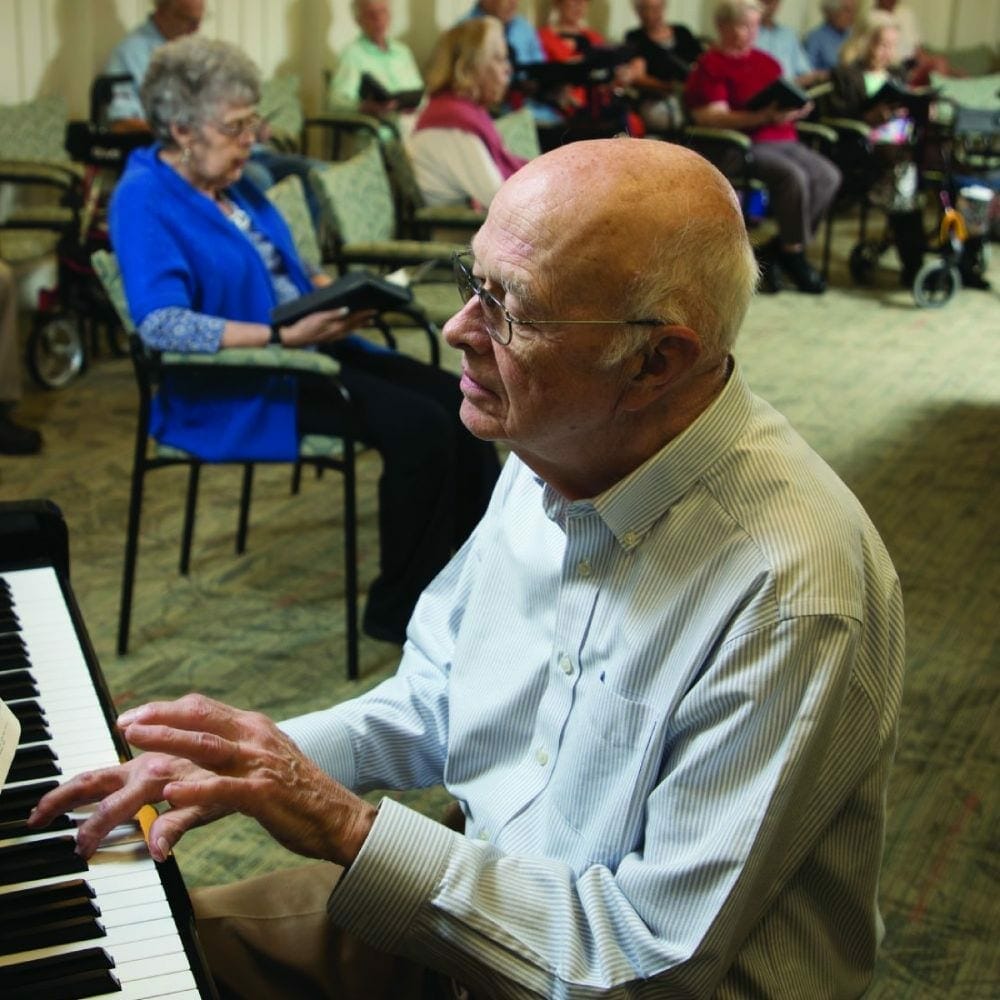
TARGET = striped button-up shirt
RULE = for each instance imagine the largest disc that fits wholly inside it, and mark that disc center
(669, 714)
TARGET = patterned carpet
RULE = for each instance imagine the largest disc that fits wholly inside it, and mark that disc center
(902, 402)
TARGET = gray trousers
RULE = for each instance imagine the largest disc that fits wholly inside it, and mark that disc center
(801, 185)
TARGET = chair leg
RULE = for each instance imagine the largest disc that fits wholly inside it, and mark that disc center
(296, 478)
(131, 552)
(351, 560)
(827, 244)
(241, 528)
(189, 507)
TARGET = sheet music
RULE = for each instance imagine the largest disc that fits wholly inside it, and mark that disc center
(10, 733)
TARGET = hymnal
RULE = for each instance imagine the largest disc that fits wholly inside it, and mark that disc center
(785, 94)
(897, 95)
(371, 89)
(357, 290)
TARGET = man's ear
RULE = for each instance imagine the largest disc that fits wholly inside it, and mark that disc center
(670, 354)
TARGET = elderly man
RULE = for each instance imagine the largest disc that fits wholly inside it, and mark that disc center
(822, 44)
(779, 41)
(170, 19)
(661, 678)
(391, 63)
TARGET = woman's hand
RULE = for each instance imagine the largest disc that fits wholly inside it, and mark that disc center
(324, 327)
(207, 760)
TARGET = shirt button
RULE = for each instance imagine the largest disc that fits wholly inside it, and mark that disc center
(583, 567)
(541, 756)
(567, 664)
(484, 834)
(630, 538)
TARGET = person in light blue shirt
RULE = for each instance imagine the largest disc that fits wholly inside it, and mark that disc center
(779, 41)
(661, 679)
(170, 19)
(822, 45)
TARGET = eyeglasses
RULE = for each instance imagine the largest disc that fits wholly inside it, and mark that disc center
(240, 127)
(499, 321)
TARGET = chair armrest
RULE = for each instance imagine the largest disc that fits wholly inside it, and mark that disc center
(727, 136)
(817, 132)
(849, 126)
(274, 357)
(66, 176)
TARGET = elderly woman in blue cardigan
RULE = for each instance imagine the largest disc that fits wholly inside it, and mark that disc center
(205, 257)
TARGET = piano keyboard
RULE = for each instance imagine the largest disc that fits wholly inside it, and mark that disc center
(70, 928)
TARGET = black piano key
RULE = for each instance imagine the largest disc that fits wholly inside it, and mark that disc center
(9, 622)
(78, 974)
(50, 933)
(10, 829)
(34, 762)
(28, 711)
(18, 684)
(34, 732)
(39, 859)
(13, 661)
(38, 897)
(16, 803)
(12, 643)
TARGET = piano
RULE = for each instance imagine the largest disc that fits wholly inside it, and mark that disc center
(119, 925)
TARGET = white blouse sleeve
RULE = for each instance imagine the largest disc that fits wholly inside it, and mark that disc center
(452, 165)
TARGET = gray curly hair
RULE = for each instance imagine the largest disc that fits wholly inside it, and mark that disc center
(190, 78)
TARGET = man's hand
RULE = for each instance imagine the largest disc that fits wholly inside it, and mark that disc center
(207, 760)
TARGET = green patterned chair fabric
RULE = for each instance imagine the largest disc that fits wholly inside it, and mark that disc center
(281, 106)
(34, 130)
(359, 211)
(289, 197)
(519, 133)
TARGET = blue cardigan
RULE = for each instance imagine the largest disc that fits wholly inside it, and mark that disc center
(175, 248)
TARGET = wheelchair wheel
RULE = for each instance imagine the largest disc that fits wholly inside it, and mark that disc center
(935, 284)
(863, 262)
(55, 350)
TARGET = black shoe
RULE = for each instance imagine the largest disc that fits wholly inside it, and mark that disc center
(18, 440)
(770, 282)
(803, 275)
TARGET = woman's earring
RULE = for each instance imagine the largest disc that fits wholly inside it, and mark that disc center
(186, 155)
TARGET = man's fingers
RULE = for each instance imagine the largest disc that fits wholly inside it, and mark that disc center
(205, 749)
(193, 712)
(171, 825)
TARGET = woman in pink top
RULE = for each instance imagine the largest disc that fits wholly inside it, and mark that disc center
(456, 150)
(801, 183)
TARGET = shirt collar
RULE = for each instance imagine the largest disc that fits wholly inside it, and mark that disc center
(634, 504)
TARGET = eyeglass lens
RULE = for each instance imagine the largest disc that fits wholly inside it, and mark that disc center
(494, 314)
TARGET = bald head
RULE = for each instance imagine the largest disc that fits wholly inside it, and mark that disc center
(649, 227)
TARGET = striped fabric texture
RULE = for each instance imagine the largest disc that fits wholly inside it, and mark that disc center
(669, 714)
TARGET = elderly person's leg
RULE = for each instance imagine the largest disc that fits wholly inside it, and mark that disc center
(268, 938)
(788, 187)
(823, 180)
(14, 439)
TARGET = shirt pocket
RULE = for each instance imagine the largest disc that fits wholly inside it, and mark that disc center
(604, 772)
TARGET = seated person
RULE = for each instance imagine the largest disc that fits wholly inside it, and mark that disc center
(868, 60)
(456, 151)
(915, 59)
(801, 183)
(783, 44)
(568, 38)
(668, 52)
(205, 257)
(523, 48)
(390, 62)
(822, 44)
(170, 19)
(15, 439)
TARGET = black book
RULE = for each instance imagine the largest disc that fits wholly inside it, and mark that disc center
(897, 94)
(357, 290)
(371, 90)
(782, 92)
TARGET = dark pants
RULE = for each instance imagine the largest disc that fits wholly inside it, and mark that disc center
(436, 477)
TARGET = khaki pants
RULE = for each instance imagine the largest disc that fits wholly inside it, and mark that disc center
(268, 938)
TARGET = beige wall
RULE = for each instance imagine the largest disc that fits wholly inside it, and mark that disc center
(57, 46)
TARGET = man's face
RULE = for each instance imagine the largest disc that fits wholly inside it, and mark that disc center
(180, 17)
(373, 19)
(650, 13)
(503, 9)
(770, 10)
(548, 393)
(843, 17)
(740, 35)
